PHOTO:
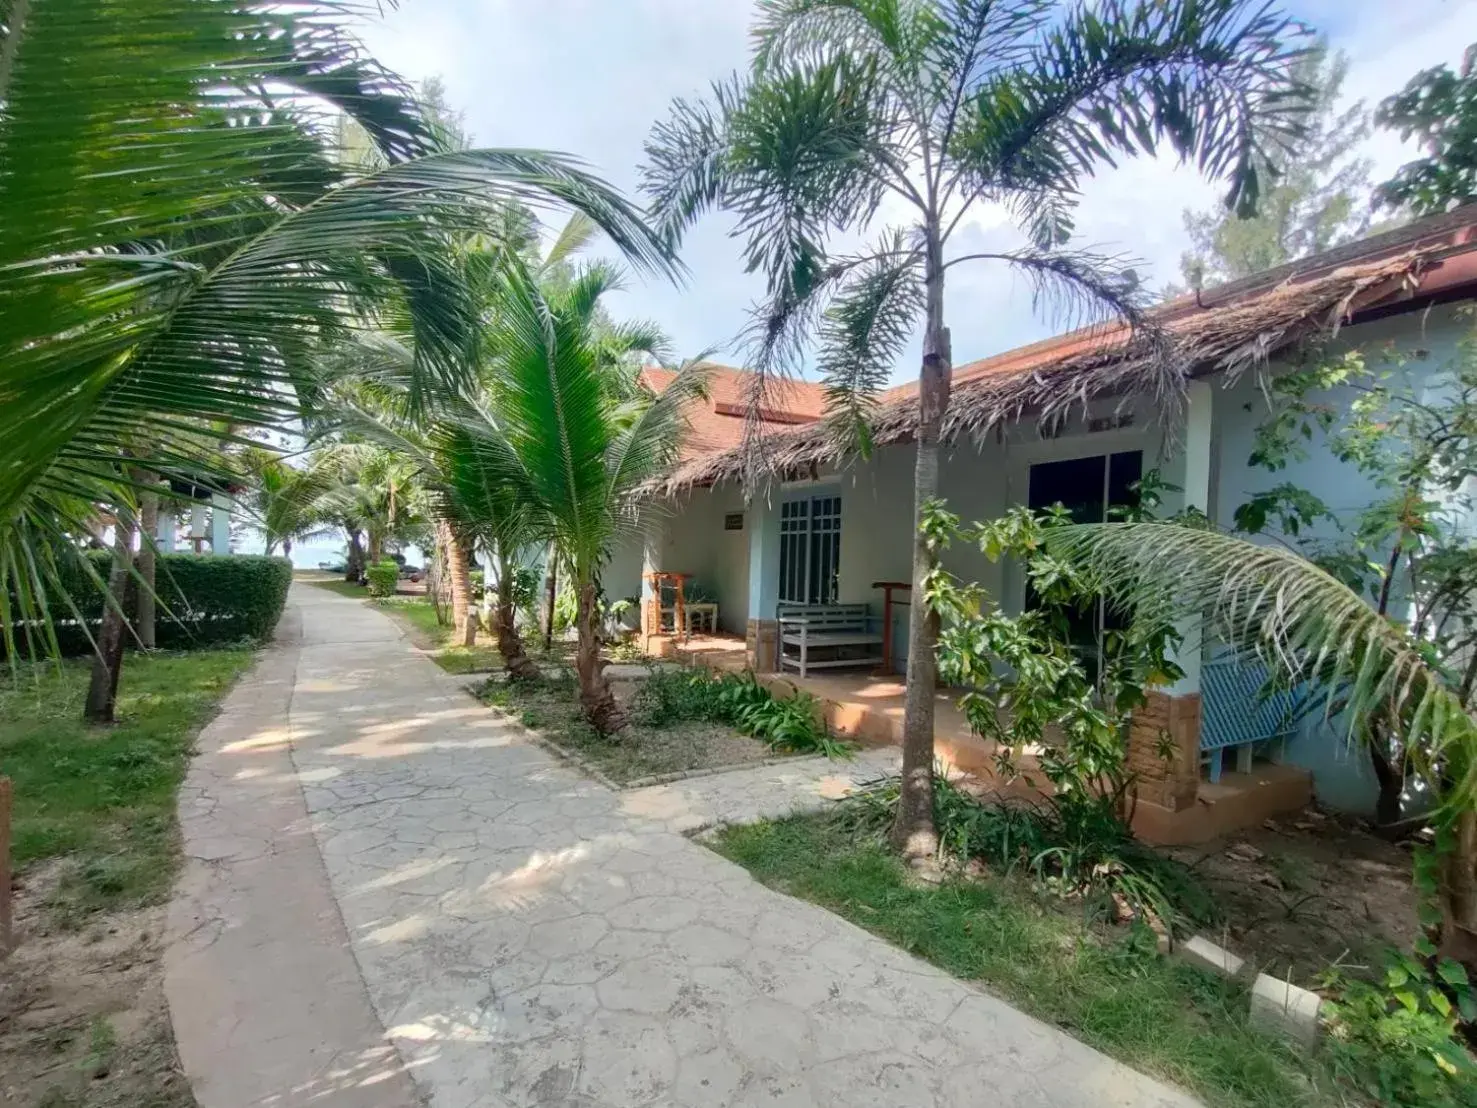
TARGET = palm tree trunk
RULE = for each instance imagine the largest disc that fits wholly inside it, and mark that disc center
(551, 590)
(436, 580)
(287, 549)
(1459, 893)
(463, 618)
(107, 663)
(148, 522)
(596, 698)
(913, 832)
(516, 661)
(354, 563)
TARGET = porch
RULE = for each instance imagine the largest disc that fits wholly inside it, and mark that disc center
(1177, 802)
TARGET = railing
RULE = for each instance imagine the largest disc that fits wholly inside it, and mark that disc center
(1237, 711)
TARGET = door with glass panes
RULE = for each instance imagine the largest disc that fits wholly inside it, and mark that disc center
(810, 549)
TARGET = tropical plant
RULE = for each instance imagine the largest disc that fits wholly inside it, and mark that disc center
(556, 441)
(1439, 108)
(1309, 627)
(190, 236)
(854, 109)
(288, 502)
(1397, 1039)
(1409, 552)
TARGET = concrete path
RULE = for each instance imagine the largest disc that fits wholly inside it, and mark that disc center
(526, 936)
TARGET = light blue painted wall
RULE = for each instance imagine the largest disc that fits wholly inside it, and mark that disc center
(1342, 777)
(693, 541)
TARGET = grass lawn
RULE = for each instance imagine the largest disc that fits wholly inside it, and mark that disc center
(105, 797)
(340, 586)
(1111, 990)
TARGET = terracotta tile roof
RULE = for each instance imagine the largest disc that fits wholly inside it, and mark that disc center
(717, 423)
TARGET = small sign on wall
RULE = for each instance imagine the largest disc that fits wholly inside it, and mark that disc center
(733, 521)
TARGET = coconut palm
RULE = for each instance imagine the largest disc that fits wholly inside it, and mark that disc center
(1311, 629)
(853, 110)
(190, 236)
(288, 502)
(558, 441)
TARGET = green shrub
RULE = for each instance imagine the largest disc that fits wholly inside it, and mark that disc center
(669, 697)
(675, 696)
(1071, 844)
(203, 599)
(1396, 1040)
(383, 578)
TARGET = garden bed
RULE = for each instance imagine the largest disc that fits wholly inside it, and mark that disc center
(95, 845)
(1303, 893)
(641, 750)
(680, 722)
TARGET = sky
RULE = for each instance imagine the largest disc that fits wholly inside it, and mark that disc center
(589, 77)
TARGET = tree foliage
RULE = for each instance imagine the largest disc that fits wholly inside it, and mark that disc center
(193, 236)
(1317, 197)
(1438, 107)
(886, 122)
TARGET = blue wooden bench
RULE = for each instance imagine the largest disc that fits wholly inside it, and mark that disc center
(1235, 714)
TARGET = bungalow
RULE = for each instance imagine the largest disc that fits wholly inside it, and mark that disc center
(1077, 419)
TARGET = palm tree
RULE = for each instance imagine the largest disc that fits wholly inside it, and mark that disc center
(289, 503)
(190, 236)
(1310, 628)
(936, 106)
(557, 441)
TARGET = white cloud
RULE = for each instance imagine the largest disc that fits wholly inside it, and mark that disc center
(590, 77)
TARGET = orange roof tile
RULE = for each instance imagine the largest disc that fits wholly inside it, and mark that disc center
(717, 422)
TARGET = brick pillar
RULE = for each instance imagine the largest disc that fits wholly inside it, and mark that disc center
(761, 645)
(1164, 749)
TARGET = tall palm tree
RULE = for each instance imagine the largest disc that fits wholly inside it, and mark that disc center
(937, 106)
(1312, 629)
(190, 236)
(558, 440)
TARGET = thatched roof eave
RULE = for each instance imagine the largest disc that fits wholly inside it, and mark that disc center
(1228, 338)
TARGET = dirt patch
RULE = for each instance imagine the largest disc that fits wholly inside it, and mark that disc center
(1303, 893)
(83, 1020)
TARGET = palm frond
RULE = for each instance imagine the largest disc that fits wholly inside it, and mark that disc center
(862, 334)
(1303, 623)
(1212, 80)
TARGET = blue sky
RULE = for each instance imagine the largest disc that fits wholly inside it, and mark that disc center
(590, 76)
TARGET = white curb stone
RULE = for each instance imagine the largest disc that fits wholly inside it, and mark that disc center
(1284, 1007)
(1200, 951)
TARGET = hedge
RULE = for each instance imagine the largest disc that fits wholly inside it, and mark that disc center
(203, 599)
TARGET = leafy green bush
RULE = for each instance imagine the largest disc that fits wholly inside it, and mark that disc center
(793, 724)
(739, 700)
(383, 577)
(1396, 1040)
(203, 599)
(669, 697)
(1073, 845)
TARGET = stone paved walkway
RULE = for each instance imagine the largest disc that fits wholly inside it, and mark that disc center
(528, 937)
